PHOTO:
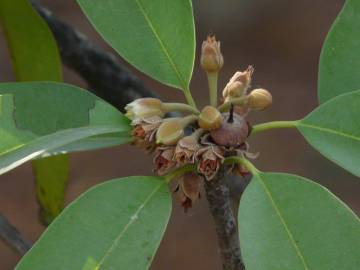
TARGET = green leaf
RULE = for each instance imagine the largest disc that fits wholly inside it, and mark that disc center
(34, 113)
(340, 58)
(51, 178)
(334, 130)
(157, 36)
(34, 53)
(115, 225)
(35, 56)
(289, 222)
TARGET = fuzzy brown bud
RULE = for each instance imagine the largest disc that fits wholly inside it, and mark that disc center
(211, 58)
(210, 118)
(259, 99)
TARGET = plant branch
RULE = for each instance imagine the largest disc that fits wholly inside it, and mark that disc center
(10, 235)
(106, 77)
(217, 193)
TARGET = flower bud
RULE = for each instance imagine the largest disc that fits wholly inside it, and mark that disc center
(210, 118)
(238, 84)
(211, 58)
(170, 132)
(144, 108)
(259, 99)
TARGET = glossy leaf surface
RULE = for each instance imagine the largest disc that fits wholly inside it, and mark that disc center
(157, 36)
(289, 222)
(334, 130)
(340, 58)
(31, 111)
(115, 225)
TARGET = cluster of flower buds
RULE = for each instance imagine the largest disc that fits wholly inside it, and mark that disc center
(201, 138)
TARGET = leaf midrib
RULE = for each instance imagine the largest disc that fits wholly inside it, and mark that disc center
(282, 220)
(332, 131)
(163, 47)
(131, 221)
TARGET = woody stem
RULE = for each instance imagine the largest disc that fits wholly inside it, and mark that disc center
(217, 194)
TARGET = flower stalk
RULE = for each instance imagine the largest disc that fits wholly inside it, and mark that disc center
(213, 87)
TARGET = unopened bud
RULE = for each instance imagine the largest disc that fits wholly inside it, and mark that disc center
(211, 57)
(210, 118)
(259, 99)
(170, 132)
(144, 108)
(238, 84)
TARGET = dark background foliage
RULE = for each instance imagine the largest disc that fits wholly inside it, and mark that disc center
(282, 39)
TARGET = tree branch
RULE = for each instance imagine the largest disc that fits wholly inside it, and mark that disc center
(12, 237)
(218, 196)
(106, 77)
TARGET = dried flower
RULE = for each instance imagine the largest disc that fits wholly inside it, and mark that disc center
(163, 159)
(188, 189)
(211, 57)
(210, 118)
(144, 132)
(259, 99)
(144, 108)
(238, 84)
(187, 147)
(210, 159)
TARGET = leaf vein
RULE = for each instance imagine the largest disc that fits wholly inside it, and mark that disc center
(162, 46)
(131, 221)
(287, 230)
(350, 136)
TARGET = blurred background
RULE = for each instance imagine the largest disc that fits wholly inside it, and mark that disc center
(282, 39)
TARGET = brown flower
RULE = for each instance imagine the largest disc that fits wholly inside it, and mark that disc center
(163, 159)
(188, 189)
(144, 132)
(187, 147)
(238, 84)
(210, 159)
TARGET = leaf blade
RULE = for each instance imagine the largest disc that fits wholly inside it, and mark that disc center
(289, 222)
(339, 59)
(35, 56)
(108, 228)
(334, 130)
(162, 32)
(40, 113)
